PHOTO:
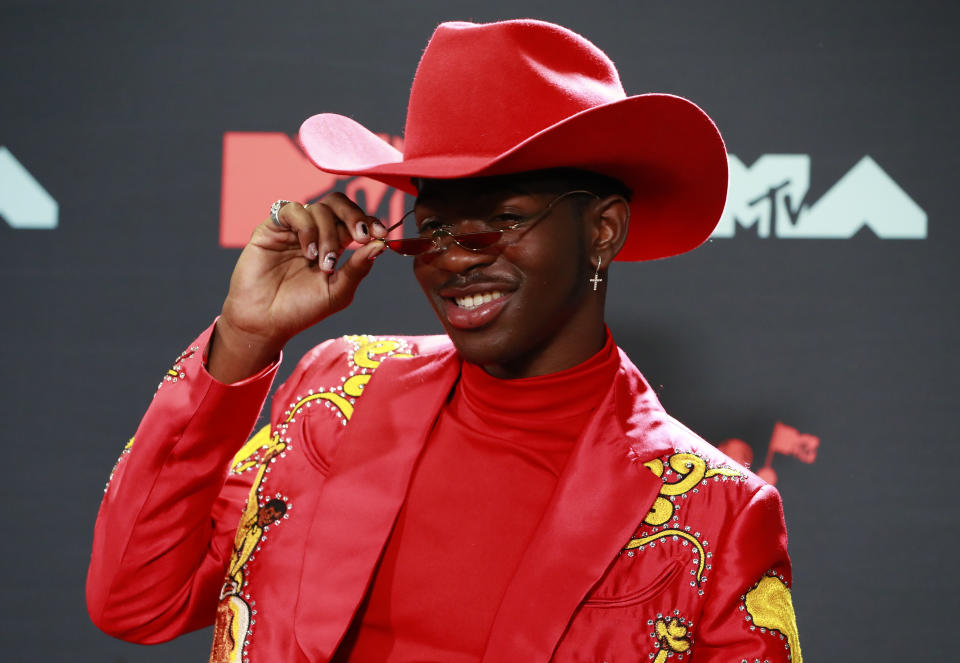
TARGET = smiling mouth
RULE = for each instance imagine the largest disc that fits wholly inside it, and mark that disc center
(473, 301)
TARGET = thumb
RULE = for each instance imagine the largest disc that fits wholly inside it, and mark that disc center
(343, 283)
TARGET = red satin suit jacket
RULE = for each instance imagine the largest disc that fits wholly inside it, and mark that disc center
(655, 546)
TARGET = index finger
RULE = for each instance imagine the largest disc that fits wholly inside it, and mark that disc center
(357, 222)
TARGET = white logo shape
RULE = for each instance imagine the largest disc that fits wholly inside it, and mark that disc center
(23, 202)
(771, 193)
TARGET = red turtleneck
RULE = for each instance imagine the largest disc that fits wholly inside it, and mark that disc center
(484, 479)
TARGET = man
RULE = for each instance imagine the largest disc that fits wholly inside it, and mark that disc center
(510, 492)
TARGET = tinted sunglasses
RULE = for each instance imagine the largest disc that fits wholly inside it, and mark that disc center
(499, 229)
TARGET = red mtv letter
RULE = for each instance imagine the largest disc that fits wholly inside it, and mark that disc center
(259, 168)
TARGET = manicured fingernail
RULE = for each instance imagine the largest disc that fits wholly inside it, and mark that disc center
(312, 252)
(376, 252)
(362, 229)
(378, 228)
(329, 261)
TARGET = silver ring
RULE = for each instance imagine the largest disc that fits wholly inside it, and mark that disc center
(275, 214)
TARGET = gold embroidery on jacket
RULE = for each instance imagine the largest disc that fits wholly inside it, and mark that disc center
(671, 636)
(230, 629)
(770, 609)
(234, 623)
(690, 471)
(256, 519)
(360, 366)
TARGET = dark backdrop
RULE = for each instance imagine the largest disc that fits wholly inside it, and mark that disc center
(118, 111)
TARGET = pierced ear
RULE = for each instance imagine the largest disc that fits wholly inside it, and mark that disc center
(611, 223)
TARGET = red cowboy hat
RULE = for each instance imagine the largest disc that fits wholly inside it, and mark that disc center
(515, 96)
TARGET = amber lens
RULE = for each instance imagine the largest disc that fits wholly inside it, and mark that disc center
(477, 241)
(410, 246)
(414, 246)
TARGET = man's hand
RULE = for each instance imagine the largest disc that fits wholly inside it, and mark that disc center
(286, 280)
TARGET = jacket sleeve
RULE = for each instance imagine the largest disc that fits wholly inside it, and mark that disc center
(165, 528)
(749, 612)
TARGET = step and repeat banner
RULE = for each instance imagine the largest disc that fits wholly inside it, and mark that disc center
(813, 337)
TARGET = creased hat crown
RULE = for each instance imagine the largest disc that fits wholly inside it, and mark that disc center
(495, 85)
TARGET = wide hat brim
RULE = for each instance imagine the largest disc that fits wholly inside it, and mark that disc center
(663, 147)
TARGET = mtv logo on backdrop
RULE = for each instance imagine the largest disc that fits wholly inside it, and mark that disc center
(24, 203)
(260, 167)
(771, 196)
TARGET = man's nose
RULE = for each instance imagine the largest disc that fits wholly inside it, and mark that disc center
(454, 258)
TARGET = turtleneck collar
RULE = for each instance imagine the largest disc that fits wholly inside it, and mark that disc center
(530, 402)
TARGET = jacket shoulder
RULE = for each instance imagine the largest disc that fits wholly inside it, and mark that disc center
(655, 435)
(363, 353)
(686, 441)
(338, 370)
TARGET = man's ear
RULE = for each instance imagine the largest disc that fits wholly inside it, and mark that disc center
(610, 218)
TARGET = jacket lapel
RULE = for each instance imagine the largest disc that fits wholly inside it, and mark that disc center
(360, 499)
(602, 495)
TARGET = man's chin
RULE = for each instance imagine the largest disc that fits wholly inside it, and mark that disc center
(493, 354)
(474, 346)
(487, 345)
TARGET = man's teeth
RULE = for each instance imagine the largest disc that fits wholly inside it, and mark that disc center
(473, 301)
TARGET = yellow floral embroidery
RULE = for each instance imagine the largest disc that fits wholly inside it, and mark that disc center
(690, 470)
(771, 607)
(694, 541)
(368, 353)
(247, 456)
(368, 346)
(361, 364)
(671, 636)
